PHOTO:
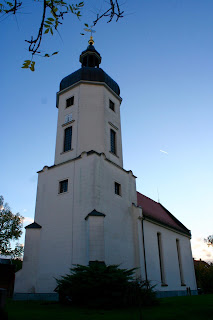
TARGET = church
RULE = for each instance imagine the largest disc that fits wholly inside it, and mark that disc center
(87, 206)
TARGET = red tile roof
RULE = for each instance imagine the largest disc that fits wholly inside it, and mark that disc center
(155, 211)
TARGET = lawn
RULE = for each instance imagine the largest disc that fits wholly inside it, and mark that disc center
(190, 308)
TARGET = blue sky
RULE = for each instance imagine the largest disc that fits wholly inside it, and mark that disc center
(160, 54)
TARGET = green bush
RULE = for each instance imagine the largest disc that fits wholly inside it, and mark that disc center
(140, 293)
(98, 285)
(17, 263)
(204, 276)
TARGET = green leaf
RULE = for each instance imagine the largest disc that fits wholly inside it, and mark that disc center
(51, 30)
(55, 9)
(26, 64)
(46, 55)
(47, 30)
(54, 53)
(32, 68)
(86, 24)
(51, 19)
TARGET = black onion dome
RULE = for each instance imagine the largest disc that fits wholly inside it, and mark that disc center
(90, 71)
(89, 74)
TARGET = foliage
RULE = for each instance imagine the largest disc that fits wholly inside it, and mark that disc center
(10, 229)
(209, 240)
(140, 293)
(204, 276)
(99, 285)
(53, 14)
(3, 314)
(17, 263)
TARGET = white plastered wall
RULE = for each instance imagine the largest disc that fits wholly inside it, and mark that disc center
(63, 238)
(119, 220)
(91, 122)
(26, 277)
(170, 258)
(95, 238)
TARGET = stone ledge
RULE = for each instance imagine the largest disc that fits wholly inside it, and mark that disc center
(35, 296)
(175, 293)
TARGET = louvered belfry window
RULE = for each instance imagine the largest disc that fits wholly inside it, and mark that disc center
(67, 139)
(113, 141)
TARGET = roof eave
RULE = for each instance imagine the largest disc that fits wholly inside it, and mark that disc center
(158, 222)
(86, 82)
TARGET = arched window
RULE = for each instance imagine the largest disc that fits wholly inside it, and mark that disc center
(160, 251)
(180, 262)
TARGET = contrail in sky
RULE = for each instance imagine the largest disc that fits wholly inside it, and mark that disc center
(163, 151)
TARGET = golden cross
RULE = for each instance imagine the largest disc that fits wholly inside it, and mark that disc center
(90, 30)
(91, 41)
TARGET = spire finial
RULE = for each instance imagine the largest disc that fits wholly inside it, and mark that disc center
(91, 41)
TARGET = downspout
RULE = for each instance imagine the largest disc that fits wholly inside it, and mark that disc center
(144, 251)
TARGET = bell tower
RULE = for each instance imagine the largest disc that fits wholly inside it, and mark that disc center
(84, 201)
(88, 112)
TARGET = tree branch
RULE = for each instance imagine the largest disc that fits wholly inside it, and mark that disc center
(113, 11)
(56, 9)
(13, 8)
(35, 44)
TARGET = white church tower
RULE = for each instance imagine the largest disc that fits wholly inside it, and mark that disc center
(87, 205)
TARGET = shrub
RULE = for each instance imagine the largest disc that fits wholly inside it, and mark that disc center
(17, 263)
(204, 276)
(3, 314)
(98, 285)
(140, 293)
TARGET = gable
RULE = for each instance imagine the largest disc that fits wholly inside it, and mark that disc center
(155, 211)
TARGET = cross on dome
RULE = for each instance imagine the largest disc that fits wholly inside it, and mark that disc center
(91, 41)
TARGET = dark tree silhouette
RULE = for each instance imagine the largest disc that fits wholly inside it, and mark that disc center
(10, 229)
(209, 240)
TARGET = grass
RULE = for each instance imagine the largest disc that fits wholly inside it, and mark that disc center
(189, 308)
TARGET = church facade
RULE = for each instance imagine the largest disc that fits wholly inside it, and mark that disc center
(87, 206)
